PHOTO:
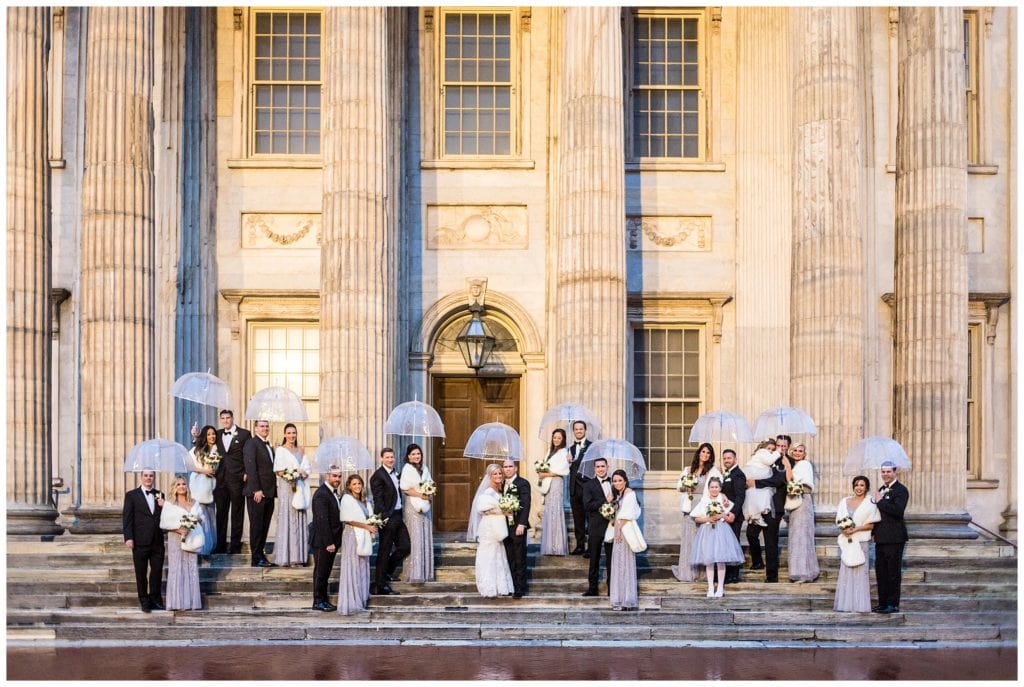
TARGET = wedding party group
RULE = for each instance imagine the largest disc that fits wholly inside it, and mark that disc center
(233, 468)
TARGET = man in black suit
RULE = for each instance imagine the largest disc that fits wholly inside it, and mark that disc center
(734, 486)
(394, 537)
(228, 494)
(890, 535)
(771, 529)
(260, 491)
(518, 527)
(596, 493)
(140, 523)
(326, 537)
(576, 481)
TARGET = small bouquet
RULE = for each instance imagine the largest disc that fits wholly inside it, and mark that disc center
(427, 488)
(374, 520)
(845, 524)
(795, 488)
(209, 460)
(509, 503)
(188, 521)
(607, 511)
(291, 475)
(687, 483)
(542, 465)
(714, 508)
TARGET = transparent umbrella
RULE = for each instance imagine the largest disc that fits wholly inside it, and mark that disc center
(783, 420)
(159, 455)
(414, 419)
(721, 426)
(620, 454)
(276, 404)
(871, 452)
(563, 416)
(494, 441)
(203, 388)
(341, 452)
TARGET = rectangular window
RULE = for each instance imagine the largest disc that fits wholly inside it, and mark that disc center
(286, 82)
(973, 396)
(971, 83)
(477, 85)
(666, 85)
(288, 355)
(668, 392)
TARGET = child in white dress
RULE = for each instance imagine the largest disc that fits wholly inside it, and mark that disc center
(758, 501)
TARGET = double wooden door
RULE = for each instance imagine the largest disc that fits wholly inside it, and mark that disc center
(465, 403)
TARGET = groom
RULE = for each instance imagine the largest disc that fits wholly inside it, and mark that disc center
(518, 524)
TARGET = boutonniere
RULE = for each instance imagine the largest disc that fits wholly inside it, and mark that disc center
(511, 488)
(726, 474)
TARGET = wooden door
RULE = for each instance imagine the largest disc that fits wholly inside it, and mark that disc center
(465, 403)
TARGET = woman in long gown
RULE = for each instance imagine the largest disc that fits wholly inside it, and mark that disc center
(702, 467)
(182, 566)
(291, 546)
(553, 538)
(715, 545)
(201, 483)
(488, 526)
(803, 558)
(419, 566)
(853, 588)
(356, 547)
(622, 588)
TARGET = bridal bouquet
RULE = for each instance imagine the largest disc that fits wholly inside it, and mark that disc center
(542, 465)
(427, 488)
(714, 508)
(375, 520)
(209, 460)
(188, 521)
(607, 511)
(844, 524)
(509, 503)
(687, 483)
(291, 475)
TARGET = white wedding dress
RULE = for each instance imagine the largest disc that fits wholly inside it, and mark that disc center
(493, 577)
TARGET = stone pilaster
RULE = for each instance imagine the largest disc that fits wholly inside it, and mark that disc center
(358, 248)
(763, 209)
(30, 508)
(591, 281)
(931, 266)
(117, 265)
(828, 308)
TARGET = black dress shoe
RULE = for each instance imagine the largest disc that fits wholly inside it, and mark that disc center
(578, 551)
(264, 564)
(320, 606)
(757, 566)
(146, 607)
(586, 554)
(517, 595)
(771, 580)
(157, 605)
(590, 592)
(890, 609)
(330, 606)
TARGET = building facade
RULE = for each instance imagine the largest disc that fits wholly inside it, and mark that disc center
(662, 211)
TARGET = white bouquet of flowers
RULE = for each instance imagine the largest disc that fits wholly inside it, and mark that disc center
(714, 508)
(845, 524)
(375, 520)
(291, 476)
(427, 488)
(607, 511)
(794, 494)
(687, 483)
(542, 465)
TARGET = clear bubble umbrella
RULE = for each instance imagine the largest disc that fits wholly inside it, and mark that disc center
(414, 419)
(869, 454)
(203, 388)
(783, 420)
(563, 416)
(620, 454)
(159, 455)
(494, 441)
(347, 454)
(721, 426)
(276, 404)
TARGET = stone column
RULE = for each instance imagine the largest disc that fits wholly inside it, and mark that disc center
(117, 265)
(590, 365)
(30, 508)
(931, 265)
(827, 316)
(358, 248)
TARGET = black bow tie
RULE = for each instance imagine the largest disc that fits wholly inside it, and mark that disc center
(604, 480)
(154, 492)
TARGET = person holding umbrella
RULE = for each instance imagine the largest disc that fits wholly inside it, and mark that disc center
(140, 523)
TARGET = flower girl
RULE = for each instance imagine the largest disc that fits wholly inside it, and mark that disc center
(758, 502)
(715, 546)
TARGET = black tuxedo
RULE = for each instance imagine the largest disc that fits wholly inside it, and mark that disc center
(394, 537)
(228, 492)
(258, 457)
(326, 531)
(593, 499)
(515, 546)
(771, 530)
(890, 535)
(576, 482)
(734, 486)
(143, 529)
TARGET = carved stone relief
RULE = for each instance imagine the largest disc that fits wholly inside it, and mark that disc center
(280, 230)
(669, 233)
(471, 227)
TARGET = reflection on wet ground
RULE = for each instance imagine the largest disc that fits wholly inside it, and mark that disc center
(305, 661)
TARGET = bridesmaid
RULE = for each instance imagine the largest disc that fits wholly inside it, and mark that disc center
(553, 538)
(803, 558)
(203, 475)
(291, 546)
(622, 586)
(703, 467)
(182, 566)
(356, 547)
(853, 589)
(419, 566)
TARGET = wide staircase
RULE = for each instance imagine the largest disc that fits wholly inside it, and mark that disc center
(82, 588)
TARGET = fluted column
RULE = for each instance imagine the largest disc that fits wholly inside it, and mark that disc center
(763, 209)
(828, 307)
(117, 270)
(931, 265)
(590, 366)
(358, 249)
(30, 508)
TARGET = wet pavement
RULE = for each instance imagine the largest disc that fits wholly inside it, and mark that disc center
(308, 661)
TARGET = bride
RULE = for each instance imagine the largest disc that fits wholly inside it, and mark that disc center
(487, 525)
